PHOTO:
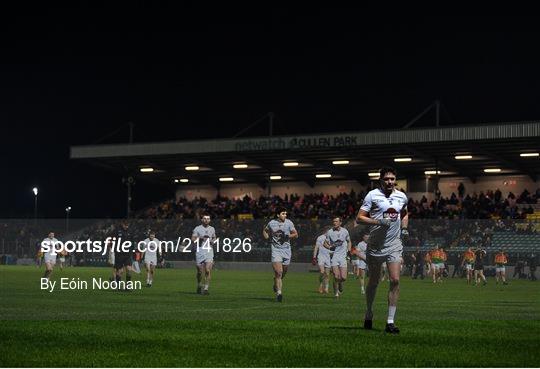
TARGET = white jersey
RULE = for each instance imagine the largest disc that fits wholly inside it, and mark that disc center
(279, 233)
(323, 251)
(381, 207)
(49, 242)
(338, 239)
(206, 236)
(151, 248)
(361, 248)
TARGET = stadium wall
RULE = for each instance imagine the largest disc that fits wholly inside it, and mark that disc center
(254, 190)
(447, 185)
(506, 184)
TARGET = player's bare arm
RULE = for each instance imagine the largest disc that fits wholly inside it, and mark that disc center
(315, 250)
(327, 244)
(294, 234)
(363, 218)
(404, 218)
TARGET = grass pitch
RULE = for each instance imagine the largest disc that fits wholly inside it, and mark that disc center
(240, 324)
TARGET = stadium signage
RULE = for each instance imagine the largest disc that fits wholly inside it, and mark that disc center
(296, 143)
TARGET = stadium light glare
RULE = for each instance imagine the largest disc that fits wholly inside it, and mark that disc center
(68, 209)
(529, 154)
(192, 167)
(463, 157)
(492, 170)
(147, 170)
(275, 178)
(323, 175)
(176, 180)
(340, 162)
(402, 160)
(431, 172)
(240, 166)
(226, 179)
(290, 164)
(374, 174)
(184, 180)
(35, 191)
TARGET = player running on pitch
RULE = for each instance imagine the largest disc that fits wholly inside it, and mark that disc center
(437, 264)
(500, 267)
(360, 253)
(479, 267)
(280, 231)
(468, 262)
(321, 257)
(203, 238)
(385, 210)
(123, 259)
(338, 241)
(49, 257)
(151, 253)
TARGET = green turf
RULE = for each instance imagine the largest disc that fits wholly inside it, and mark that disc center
(239, 323)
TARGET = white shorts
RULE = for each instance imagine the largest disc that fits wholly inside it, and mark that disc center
(394, 257)
(362, 264)
(110, 260)
(339, 262)
(62, 259)
(324, 261)
(438, 266)
(468, 266)
(359, 263)
(150, 261)
(204, 257)
(282, 256)
(48, 259)
(500, 269)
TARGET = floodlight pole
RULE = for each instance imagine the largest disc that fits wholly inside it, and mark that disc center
(129, 180)
(35, 209)
(270, 133)
(68, 209)
(35, 190)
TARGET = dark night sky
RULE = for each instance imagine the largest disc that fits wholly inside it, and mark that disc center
(71, 76)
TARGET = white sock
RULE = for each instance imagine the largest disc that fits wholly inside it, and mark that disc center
(206, 286)
(391, 313)
(278, 292)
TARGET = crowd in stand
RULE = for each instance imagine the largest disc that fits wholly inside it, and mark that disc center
(323, 206)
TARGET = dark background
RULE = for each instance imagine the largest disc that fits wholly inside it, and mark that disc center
(72, 76)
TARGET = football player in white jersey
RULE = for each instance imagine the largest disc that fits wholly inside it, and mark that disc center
(322, 258)
(360, 253)
(385, 210)
(49, 257)
(150, 256)
(280, 231)
(338, 241)
(203, 239)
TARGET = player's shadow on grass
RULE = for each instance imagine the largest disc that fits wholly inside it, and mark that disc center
(188, 293)
(268, 299)
(355, 328)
